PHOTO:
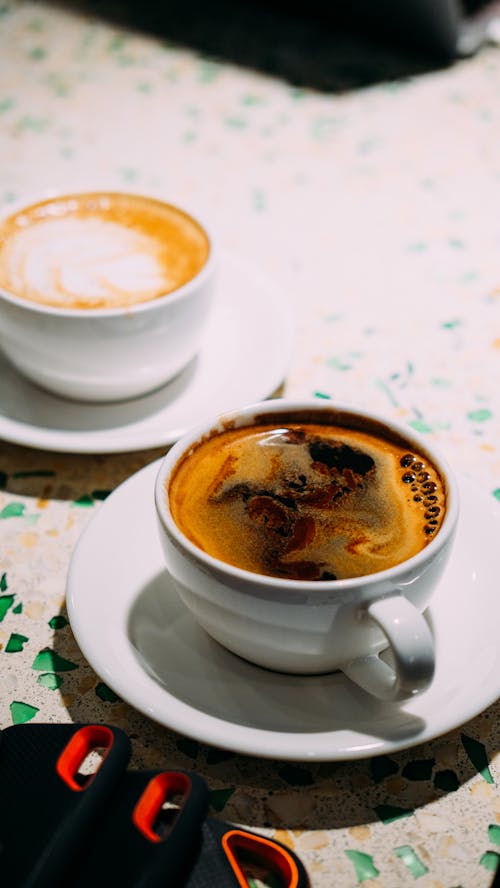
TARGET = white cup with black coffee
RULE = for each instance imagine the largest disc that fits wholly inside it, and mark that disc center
(103, 295)
(308, 537)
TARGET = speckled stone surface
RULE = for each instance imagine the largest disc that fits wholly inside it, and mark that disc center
(373, 202)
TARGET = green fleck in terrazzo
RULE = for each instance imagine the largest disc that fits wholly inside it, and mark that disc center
(9, 197)
(6, 601)
(6, 104)
(84, 501)
(469, 276)
(129, 175)
(336, 363)
(30, 520)
(59, 85)
(22, 712)
(58, 622)
(490, 860)
(440, 382)
(235, 122)
(15, 643)
(322, 128)
(446, 780)
(420, 425)
(220, 797)
(480, 415)
(381, 767)
(106, 694)
(37, 53)
(208, 71)
(390, 813)
(259, 201)
(411, 861)
(385, 388)
(252, 100)
(476, 752)
(28, 123)
(48, 660)
(364, 866)
(50, 680)
(419, 769)
(13, 510)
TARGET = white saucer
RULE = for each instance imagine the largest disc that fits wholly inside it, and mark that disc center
(244, 358)
(142, 642)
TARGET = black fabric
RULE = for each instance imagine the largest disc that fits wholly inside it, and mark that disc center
(53, 835)
(42, 820)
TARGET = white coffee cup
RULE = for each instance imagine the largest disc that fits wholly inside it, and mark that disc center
(315, 626)
(109, 352)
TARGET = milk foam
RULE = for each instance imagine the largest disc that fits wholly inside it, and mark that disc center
(99, 251)
(307, 502)
(68, 261)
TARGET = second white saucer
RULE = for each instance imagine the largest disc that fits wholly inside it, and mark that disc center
(244, 358)
(141, 640)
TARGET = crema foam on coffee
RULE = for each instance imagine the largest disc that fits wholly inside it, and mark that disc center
(307, 501)
(99, 250)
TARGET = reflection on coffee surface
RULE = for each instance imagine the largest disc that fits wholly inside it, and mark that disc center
(99, 250)
(306, 501)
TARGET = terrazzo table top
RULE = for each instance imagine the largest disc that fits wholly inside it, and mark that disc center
(374, 210)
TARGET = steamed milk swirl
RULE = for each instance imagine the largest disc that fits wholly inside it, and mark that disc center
(307, 501)
(99, 250)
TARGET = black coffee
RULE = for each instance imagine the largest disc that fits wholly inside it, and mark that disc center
(307, 501)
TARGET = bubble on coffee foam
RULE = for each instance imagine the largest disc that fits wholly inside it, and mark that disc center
(71, 261)
(427, 491)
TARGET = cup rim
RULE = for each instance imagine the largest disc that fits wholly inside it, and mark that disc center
(173, 296)
(284, 405)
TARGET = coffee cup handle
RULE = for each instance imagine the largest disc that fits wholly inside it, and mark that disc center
(412, 646)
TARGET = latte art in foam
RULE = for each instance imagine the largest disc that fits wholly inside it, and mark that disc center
(99, 251)
(307, 501)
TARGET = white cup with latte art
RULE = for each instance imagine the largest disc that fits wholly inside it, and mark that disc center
(104, 296)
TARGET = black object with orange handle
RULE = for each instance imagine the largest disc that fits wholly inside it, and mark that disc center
(61, 826)
(48, 803)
